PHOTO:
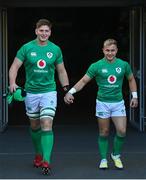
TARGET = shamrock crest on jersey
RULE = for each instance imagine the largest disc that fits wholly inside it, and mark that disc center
(49, 55)
(118, 70)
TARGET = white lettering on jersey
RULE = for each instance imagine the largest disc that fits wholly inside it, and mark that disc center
(33, 54)
(104, 71)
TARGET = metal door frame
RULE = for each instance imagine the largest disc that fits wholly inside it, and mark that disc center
(138, 12)
(3, 69)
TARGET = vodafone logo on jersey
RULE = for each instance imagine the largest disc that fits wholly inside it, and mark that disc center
(41, 64)
(112, 79)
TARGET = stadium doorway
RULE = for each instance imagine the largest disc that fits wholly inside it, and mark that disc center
(80, 34)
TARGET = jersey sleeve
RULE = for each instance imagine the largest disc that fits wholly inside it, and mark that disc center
(59, 56)
(128, 70)
(21, 54)
(91, 71)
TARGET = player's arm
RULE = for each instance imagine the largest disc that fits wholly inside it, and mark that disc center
(13, 71)
(62, 76)
(81, 83)
(133, 89)
(76, 88)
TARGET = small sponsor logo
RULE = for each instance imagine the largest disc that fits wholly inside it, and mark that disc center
(101, 113)
(104, 71)
(29, 108)
(33, 54)
(123, 111)
(51, 102)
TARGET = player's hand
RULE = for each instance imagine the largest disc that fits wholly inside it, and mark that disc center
(68, 98)
(13, 87)
(134, 102)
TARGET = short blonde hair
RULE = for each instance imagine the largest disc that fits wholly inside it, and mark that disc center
(109, 42)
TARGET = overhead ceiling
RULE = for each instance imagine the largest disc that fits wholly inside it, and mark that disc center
(71, 3)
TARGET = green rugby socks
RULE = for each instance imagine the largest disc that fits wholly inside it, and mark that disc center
(36, 139)
(118, 144)
(47, 140)
(103, 146)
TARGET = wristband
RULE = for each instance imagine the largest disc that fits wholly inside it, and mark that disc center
(72, 91)
(66, 88)
(134, 94)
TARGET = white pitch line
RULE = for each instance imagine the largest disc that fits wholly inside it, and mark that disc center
(27, 153)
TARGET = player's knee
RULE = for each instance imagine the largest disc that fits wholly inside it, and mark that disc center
(35, 124)
(47, 113)
(46, 124)
(46, 118)
(121, 132)
(104, 132)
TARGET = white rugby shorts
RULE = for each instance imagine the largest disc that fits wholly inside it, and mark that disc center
(107, 110)
(41, 105)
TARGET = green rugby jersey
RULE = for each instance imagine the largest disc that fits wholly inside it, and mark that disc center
(39, 62)
(109, 78)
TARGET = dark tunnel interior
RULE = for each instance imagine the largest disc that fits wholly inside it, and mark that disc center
(80, 32)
